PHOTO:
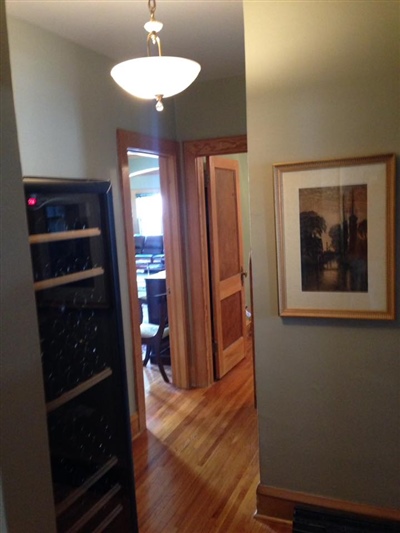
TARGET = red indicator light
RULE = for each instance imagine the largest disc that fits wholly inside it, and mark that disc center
(32, 201)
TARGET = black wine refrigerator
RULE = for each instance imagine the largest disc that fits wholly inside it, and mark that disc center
(73, 250)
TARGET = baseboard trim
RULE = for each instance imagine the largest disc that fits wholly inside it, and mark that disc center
(278, 505)
(272, 521)
(135, 425)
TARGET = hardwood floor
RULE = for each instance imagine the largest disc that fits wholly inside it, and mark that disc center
(196, 466)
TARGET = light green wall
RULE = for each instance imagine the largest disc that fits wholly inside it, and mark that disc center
(211, 109)
(68, 109)
(322, 81)
(141, 163)
(26, 499)
(150, 180)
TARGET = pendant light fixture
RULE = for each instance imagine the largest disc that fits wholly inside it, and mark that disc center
(155, 76)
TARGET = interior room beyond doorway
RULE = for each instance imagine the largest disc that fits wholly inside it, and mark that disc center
(147, 221)
(146, 204)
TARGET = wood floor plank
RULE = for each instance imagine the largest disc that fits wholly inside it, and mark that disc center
(197, 466)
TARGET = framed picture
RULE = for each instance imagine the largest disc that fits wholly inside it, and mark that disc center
(335, 237)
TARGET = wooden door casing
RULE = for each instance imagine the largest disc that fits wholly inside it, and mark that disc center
(200, 345)
(168, 152)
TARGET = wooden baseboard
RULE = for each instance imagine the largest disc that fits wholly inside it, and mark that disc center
(278, 505)
(275, 524)
(135, 425)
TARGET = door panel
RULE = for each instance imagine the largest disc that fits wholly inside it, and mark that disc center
(226, 251)
(231, 319)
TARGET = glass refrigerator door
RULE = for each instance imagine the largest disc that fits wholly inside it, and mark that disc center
(78, 307)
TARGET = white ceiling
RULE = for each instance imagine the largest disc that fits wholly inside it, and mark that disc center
(207, 31)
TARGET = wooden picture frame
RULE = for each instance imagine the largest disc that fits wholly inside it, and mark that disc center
(335, 234)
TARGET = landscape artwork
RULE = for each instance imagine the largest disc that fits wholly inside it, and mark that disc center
(334, 238)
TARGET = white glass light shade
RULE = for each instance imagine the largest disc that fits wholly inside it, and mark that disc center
(148, 77)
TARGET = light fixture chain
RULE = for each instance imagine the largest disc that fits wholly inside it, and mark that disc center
(152, 7)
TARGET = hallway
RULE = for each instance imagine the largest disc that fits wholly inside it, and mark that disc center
(196, 467)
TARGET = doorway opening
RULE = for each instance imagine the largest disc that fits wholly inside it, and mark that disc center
(147, 219)
(191, 349)
(138, 147)
(147, 216)
(202, 349)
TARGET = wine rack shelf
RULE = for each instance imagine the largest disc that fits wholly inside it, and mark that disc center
(108, 519)
(94, 509)
(80, 491)
(76, 391)
(67, 278)
(41, 238)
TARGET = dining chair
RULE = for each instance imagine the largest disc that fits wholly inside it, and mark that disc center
(155, 336)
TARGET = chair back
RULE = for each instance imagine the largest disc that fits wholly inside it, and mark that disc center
(156, 336)
(157, 304)
(155, 287)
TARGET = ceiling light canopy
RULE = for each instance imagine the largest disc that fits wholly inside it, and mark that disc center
(156, 76)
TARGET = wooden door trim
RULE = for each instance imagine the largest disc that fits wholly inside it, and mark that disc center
(201, 357)
(169, 157)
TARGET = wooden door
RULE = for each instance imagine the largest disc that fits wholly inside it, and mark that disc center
(226, 265)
